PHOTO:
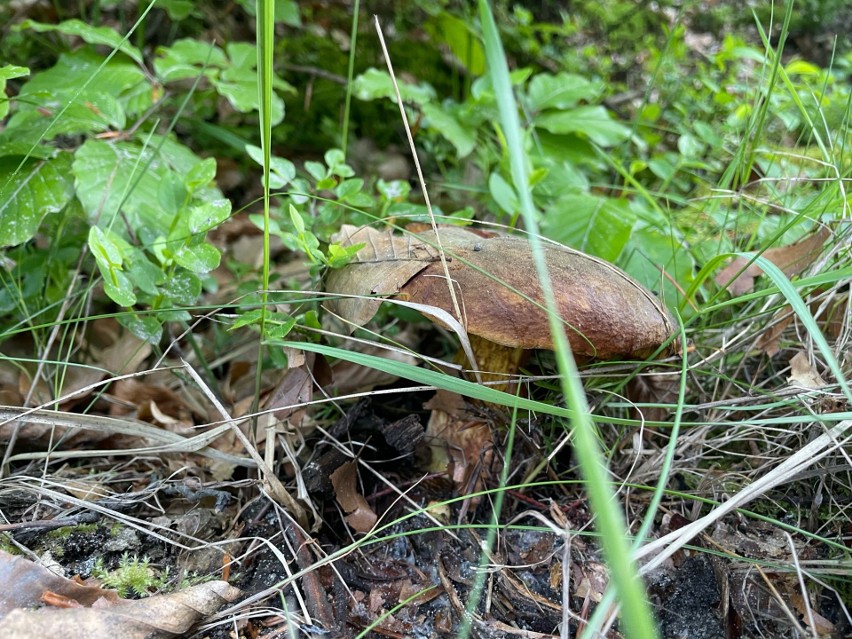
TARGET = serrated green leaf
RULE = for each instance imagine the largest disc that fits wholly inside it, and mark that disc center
(38, 189)
(201, 258)
(93, 35)
(591, 121)
(561, 91)
(208, 215)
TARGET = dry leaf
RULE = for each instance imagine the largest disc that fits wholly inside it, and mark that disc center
(460, 442)
(791, 259)
(25, 582)
(153, 404)
(360, 516)
(294, 389)
(803, 374)
(156, 617)
(382, 267)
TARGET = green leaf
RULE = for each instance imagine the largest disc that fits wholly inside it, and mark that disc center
(445, 124)
(395, 190)
(109, 252)
(297, 221)
(316, 170)
(463, 42)
(64, 112)
(177, 9)
(655, 255)
(93, 35)
(339, 256)
(590, 223)
(171, 194)
(144, 275)
(334, 158)
(106, 249)
(201, 258)
(85, 72)
(186, 59)
(183, 288)
(107, 173)
(201, 174)
(374, 84)
(146, 327)
(561, 91)
(503, 194)
(282, 170)
(118, 287)
(9, 72)
(348, 188)
(38, 189)
(208, 215)
(592, 121)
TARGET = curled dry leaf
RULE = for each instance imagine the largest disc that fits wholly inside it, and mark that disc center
(791, 259)
(607, 313)
(803, 374)
(359, 515)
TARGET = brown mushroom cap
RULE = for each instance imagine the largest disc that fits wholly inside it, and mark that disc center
(607, 313)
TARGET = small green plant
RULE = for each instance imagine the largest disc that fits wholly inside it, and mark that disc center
(132, 577)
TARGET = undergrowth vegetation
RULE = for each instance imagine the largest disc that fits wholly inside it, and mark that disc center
(170, 206)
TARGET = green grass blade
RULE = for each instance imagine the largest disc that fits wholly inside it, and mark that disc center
(636, 610)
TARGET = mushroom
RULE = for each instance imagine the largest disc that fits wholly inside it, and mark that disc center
(607, 313)
(501, 305)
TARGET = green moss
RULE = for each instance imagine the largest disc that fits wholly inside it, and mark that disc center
(133, 576)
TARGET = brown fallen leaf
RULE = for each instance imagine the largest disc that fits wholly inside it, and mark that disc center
(157, 617)
(791, 259)
(803, 374)
(359, 515)
(382, 267)
(25, 582)
(460, 442)
(89, 611)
